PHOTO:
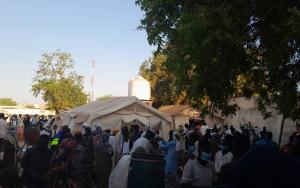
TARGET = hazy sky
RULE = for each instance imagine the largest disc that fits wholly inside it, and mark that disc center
(103, 30)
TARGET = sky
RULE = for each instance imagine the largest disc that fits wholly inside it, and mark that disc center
(100, 30)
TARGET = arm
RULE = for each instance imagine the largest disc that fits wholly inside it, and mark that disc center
(164, 145)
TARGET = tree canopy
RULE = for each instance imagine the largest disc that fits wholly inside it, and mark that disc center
(218, 50)
(163, 90)
(60, 86)
(7, 102)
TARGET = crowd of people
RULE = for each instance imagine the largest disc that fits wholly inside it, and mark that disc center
(195, 155)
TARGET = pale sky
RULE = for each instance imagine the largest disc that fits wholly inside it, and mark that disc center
(103, 30)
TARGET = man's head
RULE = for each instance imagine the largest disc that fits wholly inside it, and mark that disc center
(226, 127)
(264, 129)
(171, 135)
(150, 134)
(269, 136)
(2, 116)
(125, 131)
(108, 131)
(43, 142)
(78, 137)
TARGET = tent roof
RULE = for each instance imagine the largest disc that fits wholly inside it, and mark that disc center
(104, 107)
(174, 110)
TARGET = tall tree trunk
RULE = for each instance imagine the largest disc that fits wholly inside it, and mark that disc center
(56, 111)
(281, 130)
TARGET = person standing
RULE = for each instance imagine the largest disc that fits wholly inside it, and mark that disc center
(36, 162)
(62, 168)
(198, 173)
(145, 141)
(34, 120)
(3, 125)
(89, 167)
(180, 144)
(171, 155)
(26, 121)
(224, 156)
(104, 152)
(123, 143)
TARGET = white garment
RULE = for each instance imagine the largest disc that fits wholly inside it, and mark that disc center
(112, 142)
(197, 174)
(125, 150)
(142, 142)
(228, 131)
(2, 128)
(203, 129)
(196, 149)
(118, 147)
(33, 121)
(221, 160)
(119, 176)
(180, 145)
(20, 122)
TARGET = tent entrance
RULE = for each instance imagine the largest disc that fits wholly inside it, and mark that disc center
(133, 122)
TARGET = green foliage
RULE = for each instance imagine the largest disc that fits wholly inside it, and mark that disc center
(163, 91)
(58, 84)
(105, 97)
(218, 50)
(7, 102)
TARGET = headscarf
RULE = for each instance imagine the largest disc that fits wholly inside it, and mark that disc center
(98, 131)
(68, 145)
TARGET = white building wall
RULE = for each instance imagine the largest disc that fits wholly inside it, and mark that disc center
(249, 113)
(180, 120)
(140, 88)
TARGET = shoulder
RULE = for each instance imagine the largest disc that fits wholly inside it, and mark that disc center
(218, 154)
(192, 162)
(229, 154)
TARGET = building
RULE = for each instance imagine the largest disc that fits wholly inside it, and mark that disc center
(139, 87)
(180, 114)
(30, 109)
(248, 113)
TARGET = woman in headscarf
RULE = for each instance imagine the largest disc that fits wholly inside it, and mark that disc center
(89, 164)
(104, 152)
(62, 169)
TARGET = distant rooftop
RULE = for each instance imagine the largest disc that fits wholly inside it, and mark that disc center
(173, 110)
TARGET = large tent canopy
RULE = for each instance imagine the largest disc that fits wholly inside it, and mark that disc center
(117, 112)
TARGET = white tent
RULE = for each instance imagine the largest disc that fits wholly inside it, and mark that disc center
(115, 113)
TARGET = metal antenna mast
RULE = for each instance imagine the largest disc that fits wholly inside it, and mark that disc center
(92, 80)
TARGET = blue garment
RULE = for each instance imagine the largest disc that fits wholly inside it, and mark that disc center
(170, 156)
(58, 135)
(265, 142)
(33, 121)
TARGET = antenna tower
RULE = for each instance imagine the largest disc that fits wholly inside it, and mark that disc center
(92, 80)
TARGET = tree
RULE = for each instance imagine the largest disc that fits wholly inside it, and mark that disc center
(7, 102)
(163, 91)
(105, 97)
(218, 50)
(204, 52)
(58, 84)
